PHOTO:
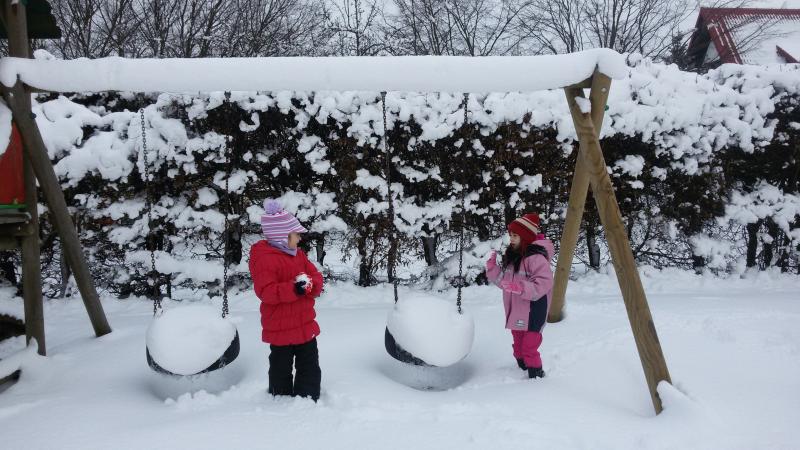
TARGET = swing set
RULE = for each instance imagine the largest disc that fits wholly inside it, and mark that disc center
(464, 333)
(183, 340)
(20, 76)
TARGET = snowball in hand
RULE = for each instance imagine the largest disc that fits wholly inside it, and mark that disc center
(188, 339)
(431, 329)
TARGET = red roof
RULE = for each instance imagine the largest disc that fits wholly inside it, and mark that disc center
(733, 30)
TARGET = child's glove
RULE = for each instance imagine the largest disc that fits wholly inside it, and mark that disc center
(302, 284)
(492, 261)
(513, 287)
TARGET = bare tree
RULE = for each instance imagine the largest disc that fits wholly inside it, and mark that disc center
(554, 26)
(156, 18)
(485, 27)
(76, 18)
(456, 27)
(421, 27)
(189, 28)
(94, 28)
(195, 27)
(275, 28)
(356, 27)
(643, 26)
(118, 24)
(202, 28)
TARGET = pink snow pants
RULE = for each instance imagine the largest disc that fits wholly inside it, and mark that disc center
(526, 347)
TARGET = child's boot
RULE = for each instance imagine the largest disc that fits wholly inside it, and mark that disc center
(521, 363)
(535, 372)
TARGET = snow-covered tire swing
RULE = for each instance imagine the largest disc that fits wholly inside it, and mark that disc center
(194, 339)
(425, 330)
(191, 340)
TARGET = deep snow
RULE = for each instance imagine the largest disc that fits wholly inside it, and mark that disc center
(732, 347)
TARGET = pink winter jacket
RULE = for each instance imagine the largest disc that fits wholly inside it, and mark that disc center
(526, 311)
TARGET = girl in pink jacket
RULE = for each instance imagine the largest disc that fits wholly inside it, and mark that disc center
(526, 279)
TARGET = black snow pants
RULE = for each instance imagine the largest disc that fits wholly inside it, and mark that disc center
(308, 376)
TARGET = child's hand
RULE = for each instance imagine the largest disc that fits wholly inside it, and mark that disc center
(513, 287)
(302, 284)
(492, 261)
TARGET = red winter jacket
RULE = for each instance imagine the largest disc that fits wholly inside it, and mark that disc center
(286, 318)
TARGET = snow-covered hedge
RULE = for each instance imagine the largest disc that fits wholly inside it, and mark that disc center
(693, 158)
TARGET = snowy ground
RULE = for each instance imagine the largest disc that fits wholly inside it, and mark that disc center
(732, 346)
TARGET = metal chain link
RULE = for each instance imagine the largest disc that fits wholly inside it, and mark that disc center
(228, 166)
(461, 281)
(149, 208)
(392, 238)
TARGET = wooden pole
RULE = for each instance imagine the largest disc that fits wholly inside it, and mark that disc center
(19, 100)
(600, 86)
(31, 266)
(644, 331)
(31, 258)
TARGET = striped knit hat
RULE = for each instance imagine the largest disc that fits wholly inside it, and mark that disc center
(527, 227)
(277, 223)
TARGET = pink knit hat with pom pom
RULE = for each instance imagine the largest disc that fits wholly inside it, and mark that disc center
(277, 223)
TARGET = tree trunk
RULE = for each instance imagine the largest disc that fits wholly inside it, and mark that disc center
(65, 274)
(391, 263)
(698, 263)
(783, 259)
(320, 245)
(234, 253)
(591, 244)
(752, 243)
(509, 215)
(364, 278)
(429, 249)
(770, 247)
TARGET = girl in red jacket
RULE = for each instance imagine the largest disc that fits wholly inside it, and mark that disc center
(287, 283)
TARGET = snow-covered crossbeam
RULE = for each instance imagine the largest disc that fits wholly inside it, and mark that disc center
(390, 73)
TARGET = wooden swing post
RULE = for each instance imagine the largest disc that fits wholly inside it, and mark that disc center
(600, 86)
(591, 157)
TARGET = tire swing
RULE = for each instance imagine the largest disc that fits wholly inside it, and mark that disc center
(425, 330)
(194, 339)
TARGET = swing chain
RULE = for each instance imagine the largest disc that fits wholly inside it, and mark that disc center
(227, 239)
(461, 281)
(392, 238)
(228, 168)
(149, 207)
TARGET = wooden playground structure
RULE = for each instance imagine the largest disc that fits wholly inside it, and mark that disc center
(20, 227)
